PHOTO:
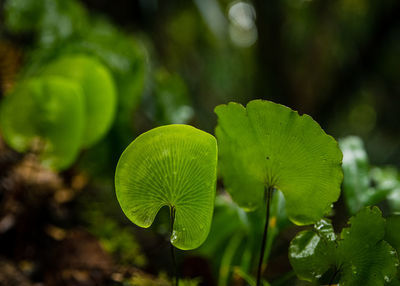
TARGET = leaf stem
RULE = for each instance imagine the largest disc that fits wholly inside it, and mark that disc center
(173, 258)
(268, 193)
(333, 277)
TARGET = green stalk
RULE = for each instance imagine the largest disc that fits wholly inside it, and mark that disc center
(268, 192)
(173, 258)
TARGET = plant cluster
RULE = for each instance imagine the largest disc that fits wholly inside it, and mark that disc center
(273, 159)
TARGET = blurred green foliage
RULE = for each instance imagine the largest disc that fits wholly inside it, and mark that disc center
(366, 185)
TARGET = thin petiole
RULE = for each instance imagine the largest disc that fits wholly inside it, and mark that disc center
(173, 258)
(268, 194)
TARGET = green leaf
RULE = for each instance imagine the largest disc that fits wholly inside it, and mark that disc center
(360, 257)
(49, 109)
(312, 252)
(270, 145)
(98, 89)
(175, 166)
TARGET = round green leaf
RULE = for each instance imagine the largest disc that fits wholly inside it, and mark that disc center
(49, 109)
(175, 166)
(270, 145)
(98, 89)
(312, 252)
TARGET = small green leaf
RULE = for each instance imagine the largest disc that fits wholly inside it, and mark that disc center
(175, 166)
(312, 252)
(49, 109)
(270, 145)
(98, 89)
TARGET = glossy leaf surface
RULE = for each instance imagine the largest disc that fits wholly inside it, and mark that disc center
(175, 166)
(98, 89)
(269, 145)
(360, 257)
(312, 252)
(47, 112)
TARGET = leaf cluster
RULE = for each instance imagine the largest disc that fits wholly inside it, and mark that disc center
(360, 255)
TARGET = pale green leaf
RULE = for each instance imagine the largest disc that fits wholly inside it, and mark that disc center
(175, 166)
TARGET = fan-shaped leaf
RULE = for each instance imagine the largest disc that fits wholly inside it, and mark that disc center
(47, 108)
(270, 145)
(175, 166)
(98, 89)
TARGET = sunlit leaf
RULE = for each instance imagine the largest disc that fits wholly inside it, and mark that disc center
(46, 112)
(174, 166)
(270, 145)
